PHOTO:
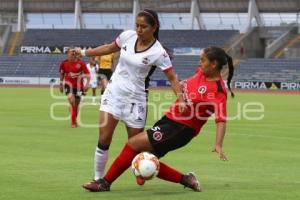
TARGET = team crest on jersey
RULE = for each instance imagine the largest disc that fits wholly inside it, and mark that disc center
(202, 89)
(124, 48)
(78, 66)
(146, 61)
(157, 136)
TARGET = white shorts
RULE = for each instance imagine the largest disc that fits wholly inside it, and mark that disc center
(93, 84)
(133, 113)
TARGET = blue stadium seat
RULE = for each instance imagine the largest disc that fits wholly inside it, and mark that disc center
(259, 69)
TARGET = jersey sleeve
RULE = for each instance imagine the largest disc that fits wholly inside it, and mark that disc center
(120, 40)
(221, 108)
(164, 62)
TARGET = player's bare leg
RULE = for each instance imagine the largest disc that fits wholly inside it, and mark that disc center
(107, 125)
(104, 83)
(77, 102)
(94, 96)
(73, 109)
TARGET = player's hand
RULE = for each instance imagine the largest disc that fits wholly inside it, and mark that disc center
(86, 88)
(218, 150)
(182, 106)
(61, 88)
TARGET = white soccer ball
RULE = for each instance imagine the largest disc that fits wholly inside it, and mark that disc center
(145, 165)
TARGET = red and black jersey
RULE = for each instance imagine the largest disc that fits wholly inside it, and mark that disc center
(203, 98)
(74, 72)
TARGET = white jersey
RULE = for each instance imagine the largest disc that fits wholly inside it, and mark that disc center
(93, 71)
(93, 75)
(128, 80)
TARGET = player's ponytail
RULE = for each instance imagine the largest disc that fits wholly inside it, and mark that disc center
(230, 73)
(218, 54)
(156, 33)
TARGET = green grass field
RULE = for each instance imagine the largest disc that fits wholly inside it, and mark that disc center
(42, 158)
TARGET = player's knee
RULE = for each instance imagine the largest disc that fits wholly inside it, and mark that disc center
(133, 145)
(140, 142)
(72, 102)
(131, 141)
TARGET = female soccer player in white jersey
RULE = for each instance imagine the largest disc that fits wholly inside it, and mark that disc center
(93, 68)
(125, 97)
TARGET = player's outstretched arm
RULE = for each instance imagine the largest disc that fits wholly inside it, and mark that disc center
(220, 133)
(177, 89)
(98, 51)
(87, 85)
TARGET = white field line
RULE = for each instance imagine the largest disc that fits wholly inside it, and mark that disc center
(250, 125)
(264, 136)
(230, 133)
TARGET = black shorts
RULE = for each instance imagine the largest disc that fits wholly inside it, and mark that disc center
(75, 91)
(167, 135)
(104, 74)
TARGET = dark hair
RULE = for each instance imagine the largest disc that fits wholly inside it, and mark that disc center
(151, 18)
(222, 58)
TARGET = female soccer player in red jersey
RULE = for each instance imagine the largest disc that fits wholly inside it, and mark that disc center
(72, 72)
(204, 94)
(125, 98)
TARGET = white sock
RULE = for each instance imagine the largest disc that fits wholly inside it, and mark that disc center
(100, 160)
(94, 99)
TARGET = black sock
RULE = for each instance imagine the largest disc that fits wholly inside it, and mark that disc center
(103, 147)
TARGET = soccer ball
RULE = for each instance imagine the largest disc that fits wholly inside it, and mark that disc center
(145, 165)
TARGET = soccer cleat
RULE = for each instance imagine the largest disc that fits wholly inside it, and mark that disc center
(140, 180)
(74, 125)
(189, 180)
(100, 185)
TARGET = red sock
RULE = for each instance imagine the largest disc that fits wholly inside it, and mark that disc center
(77, 110)
(120, 164)
(169, 174)
(73, 114)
